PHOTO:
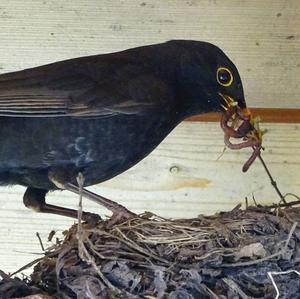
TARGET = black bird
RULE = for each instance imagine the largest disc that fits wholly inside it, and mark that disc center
(100, 115)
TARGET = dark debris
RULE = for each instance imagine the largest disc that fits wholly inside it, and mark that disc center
(227, 255)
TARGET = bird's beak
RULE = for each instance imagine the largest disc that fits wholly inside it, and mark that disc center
(228, 101)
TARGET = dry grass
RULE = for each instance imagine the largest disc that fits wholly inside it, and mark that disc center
(217, 256)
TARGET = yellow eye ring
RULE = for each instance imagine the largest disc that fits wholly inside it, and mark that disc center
(224, 76)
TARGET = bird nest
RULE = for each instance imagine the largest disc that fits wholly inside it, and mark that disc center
(238, 254)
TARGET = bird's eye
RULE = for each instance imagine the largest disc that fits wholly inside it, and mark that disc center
(224, 76)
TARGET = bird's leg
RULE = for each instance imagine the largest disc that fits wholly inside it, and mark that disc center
(35, 199)
(120, 213)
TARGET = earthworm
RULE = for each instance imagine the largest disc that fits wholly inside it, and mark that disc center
(229, 131)
(255, 154)
(240, 132)
(243, 129)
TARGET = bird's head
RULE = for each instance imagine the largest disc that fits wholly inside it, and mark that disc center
(208, 80)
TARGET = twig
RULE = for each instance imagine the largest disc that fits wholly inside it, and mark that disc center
(270, 274)
(222, 153)
(254, 200)
(213, 295)
(280, 252)
(82, 251)
(46, 254)
(273, 183)
(246, 202)
(250, 263)
(80, 181)
(236, 208)
(27, 266)
(234, 286)
(283, 205)
(40, 240)
(292, 194)
(140, 249)
(290, 236)
(86, 257)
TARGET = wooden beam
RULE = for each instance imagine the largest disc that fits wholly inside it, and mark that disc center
(272, 115)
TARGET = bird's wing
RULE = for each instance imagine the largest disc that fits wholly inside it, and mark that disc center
(81, 91)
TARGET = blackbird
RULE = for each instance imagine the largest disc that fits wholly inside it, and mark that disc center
(99, 115)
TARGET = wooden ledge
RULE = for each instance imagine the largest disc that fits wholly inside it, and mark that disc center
(272, 115)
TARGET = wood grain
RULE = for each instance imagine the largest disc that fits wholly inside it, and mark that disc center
(271, 115)
(261, 37)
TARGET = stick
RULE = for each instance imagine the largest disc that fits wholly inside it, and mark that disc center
(273, 183)
(234, 286)
(280, 252)
(40, 240)
(82, 251)
(283, 205)
(80, 181)
(270, 274)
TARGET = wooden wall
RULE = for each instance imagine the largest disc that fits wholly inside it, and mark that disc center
(261, 37)
(183, 176)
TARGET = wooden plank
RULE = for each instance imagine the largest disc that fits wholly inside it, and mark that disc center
(261, 37)
(183, 177)
(271, 115)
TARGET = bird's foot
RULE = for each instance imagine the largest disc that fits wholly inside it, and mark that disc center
(120, 216)
(120, 213)
(91, 218)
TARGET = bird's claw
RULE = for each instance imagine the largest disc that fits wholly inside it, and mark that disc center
(119, 217)
(91, 218)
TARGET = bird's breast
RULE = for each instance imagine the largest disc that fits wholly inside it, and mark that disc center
(100, 148)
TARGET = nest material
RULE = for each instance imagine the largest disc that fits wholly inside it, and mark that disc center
(228, 255)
